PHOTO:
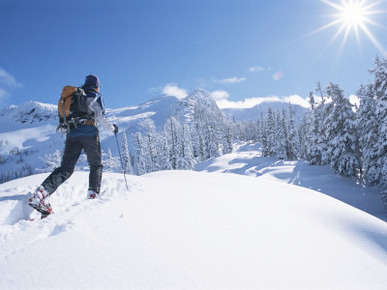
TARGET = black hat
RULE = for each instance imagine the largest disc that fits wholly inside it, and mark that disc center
(92, 81)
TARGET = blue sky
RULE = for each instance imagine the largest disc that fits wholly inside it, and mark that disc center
(140, 49)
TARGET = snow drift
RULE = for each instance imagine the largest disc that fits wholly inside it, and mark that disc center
(184, 229)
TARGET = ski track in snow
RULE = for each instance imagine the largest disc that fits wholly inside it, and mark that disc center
(190, 230)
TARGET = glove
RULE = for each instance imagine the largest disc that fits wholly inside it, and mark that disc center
(62, 128)
(115, 128)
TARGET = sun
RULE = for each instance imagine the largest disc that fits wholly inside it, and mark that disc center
(353, 16)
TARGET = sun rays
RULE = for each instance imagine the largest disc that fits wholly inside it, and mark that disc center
(353, 16)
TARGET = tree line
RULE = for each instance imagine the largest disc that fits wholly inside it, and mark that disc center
(350, 138)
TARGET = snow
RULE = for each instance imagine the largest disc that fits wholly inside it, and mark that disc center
(254, 112)
(215, 228)
(26, 138)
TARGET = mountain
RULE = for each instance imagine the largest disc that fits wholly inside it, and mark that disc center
(254, 113)
(28, 132)
(160, 108)
(186, 230)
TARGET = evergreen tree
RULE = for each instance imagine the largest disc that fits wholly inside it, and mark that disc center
(373, 126)
(293, 151)
(341, 133)
(164, 157)
(111, 163)
(263, 135)
(52, 161)
(304, 136)
(198, 144)
(126, 160)
(150, 142)
(227, 140)
(207, 126)
(368, 134)
(380, 88)
(317, 147)
(172, 129)
(280, 141)
(185, 159)
(140, 162)
(270, 128)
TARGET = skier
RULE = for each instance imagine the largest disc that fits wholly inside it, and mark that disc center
(81, 134)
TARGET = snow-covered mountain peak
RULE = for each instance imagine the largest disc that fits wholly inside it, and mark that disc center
(202, 96)
(29, 112)
(199, 98)
(200, 93)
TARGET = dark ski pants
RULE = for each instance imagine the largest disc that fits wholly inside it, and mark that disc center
(73, 149)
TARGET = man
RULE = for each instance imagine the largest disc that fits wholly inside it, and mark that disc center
(82, 134)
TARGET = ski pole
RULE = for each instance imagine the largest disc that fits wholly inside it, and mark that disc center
(122, 164)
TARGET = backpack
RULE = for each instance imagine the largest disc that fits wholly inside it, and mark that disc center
(73, 109)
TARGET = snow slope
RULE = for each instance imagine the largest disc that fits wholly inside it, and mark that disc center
(184, 230)
(247, 160)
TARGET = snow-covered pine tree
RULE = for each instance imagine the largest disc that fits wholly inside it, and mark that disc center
(293, 150)
(380, 87)
(249, 131)
(341, 133)
(185, 159)
(373, 126)
(263, 135)
(151, 144)
(172, 129)
(207, 126)
(211, 139)
(368, 134)
(280, 136)
(111, 163)
(269, 150)
(227, 140)
(51, 161)
(317, 139)
(199, 147)
(305, 137)
(126, 160)
(140, 159)
(163, 159)
(310, 131)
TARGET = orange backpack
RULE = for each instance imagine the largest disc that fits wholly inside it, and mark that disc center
(65, 101)
(73, 109)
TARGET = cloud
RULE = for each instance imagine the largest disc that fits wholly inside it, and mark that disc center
(246, 103)
(8, 81)
(174, 90)
(252, 102)
(233, 80)
(256, 68)
(220, 95)
(278, 75)
(297, 100)
(3, 93)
